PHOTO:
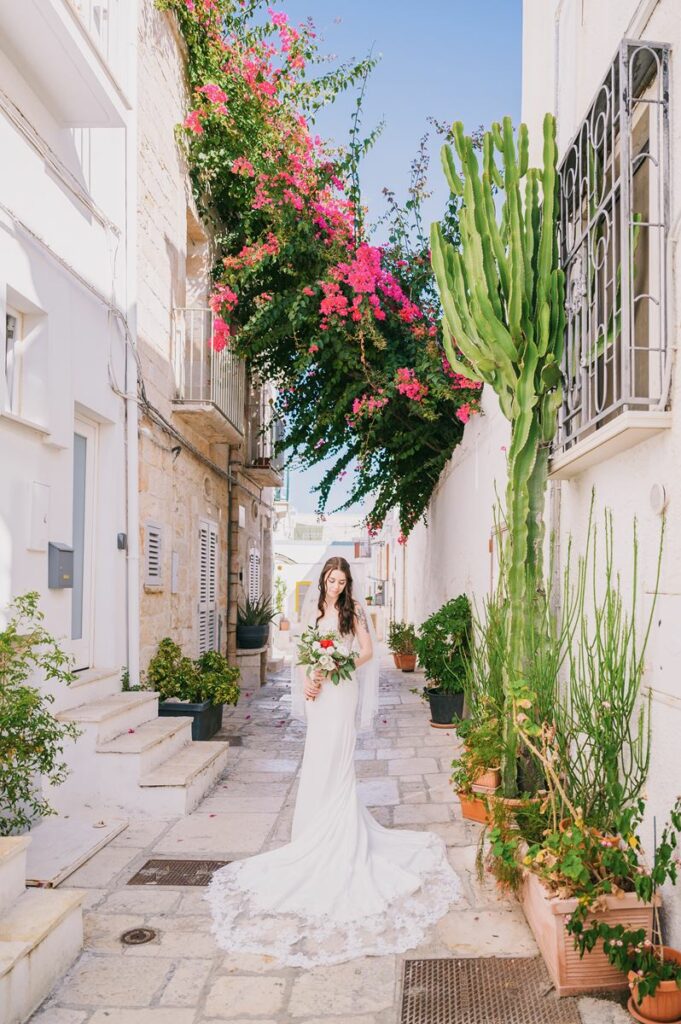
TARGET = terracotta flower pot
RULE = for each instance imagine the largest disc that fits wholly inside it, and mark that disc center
(407, 662)
(665, 1004)
(547, 916)
(488, 781)
(397, 658)
(473, 808)
(284, 624)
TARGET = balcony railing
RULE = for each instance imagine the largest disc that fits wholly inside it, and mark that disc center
(210, 385)
(264, 463)
(105, 21)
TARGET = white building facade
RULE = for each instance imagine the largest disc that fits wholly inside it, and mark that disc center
(609, 71)
(68, 435)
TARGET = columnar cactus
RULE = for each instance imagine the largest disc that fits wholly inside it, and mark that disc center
(503, 298)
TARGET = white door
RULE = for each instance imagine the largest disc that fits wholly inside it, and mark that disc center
(208, 586)
(84, 477)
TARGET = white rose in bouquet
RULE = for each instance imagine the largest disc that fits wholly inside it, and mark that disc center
(327, 663)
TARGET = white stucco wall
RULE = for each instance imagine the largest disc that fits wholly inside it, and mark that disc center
(567, 49)
(62, 261)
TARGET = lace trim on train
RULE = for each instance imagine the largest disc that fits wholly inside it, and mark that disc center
(242, 925)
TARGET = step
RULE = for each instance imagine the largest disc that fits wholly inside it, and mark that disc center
(89, 685)
(40, 937)
(60, 845)
(177, 785)
(112, 715)
(147, 746)
(12, 869)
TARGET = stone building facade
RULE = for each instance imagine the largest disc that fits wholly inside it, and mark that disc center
(205, 503)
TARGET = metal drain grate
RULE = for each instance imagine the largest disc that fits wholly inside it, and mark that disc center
(138, 936)
(482, 990)
(176, 872)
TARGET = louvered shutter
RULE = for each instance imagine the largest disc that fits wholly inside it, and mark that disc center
(208, 587)
(254, 575)
(153, 555)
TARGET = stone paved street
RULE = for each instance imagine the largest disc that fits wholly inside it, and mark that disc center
(183, 978)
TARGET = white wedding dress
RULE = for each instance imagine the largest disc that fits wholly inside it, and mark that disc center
(344, 887)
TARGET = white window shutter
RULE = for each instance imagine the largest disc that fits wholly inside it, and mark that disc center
(208, 587)
(254, 575)
(153, 554)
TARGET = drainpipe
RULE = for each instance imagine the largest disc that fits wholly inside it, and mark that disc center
(131, 408)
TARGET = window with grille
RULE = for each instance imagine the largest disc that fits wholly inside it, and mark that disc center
(153, 555)
(254, 575)
(614, 217)
(208, 586)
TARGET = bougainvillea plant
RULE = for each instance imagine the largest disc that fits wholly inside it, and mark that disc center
(348, 331)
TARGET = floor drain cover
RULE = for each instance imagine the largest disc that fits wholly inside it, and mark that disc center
(482, 990)
(138, 936)
(176, 872)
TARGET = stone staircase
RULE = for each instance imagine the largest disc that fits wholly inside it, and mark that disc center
(129, 760)
(41, 934)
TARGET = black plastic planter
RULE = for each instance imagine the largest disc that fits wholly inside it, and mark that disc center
(445, 707)
(249, 638)
(206, 717)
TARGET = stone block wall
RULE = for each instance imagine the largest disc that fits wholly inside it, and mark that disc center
(177, 488)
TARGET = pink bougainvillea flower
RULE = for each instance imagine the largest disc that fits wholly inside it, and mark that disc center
(463, 412)
(222, 298)
(278, 17)
(308, 291)
(221, 333)
(213, 93)
(243, 167)
(313, 349)
(401, 539)
(408, 384)
(192, 122)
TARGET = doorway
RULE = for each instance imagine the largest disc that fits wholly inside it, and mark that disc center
(84, 477)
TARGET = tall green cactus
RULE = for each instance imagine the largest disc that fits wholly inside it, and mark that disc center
(503, 296)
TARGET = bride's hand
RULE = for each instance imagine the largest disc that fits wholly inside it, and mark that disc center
(312, 688)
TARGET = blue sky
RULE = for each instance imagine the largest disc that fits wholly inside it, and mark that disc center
(447, 59)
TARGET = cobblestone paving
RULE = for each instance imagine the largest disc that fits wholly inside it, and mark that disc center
(182, 977)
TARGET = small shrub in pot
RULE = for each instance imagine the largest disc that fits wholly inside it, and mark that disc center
(442, 646)
(253, 623)
(197, 689)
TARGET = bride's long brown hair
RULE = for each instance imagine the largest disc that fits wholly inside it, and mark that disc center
(345, 602)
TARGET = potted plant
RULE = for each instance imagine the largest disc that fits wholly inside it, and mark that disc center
(279, 598)
(395, 630)
(476, 771)
(442, 646)
(408, 648)
(253, 623)
(195, 689)
(32, 740)
(401, 638)
(652, 969)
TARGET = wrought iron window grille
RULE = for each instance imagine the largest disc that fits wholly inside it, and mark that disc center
(614, 221)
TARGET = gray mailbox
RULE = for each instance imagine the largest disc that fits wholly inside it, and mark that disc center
(59, 566)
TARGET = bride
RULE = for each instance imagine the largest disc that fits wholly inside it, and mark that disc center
(344, 886)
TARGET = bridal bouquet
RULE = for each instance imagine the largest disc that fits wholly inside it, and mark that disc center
(324, 651)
